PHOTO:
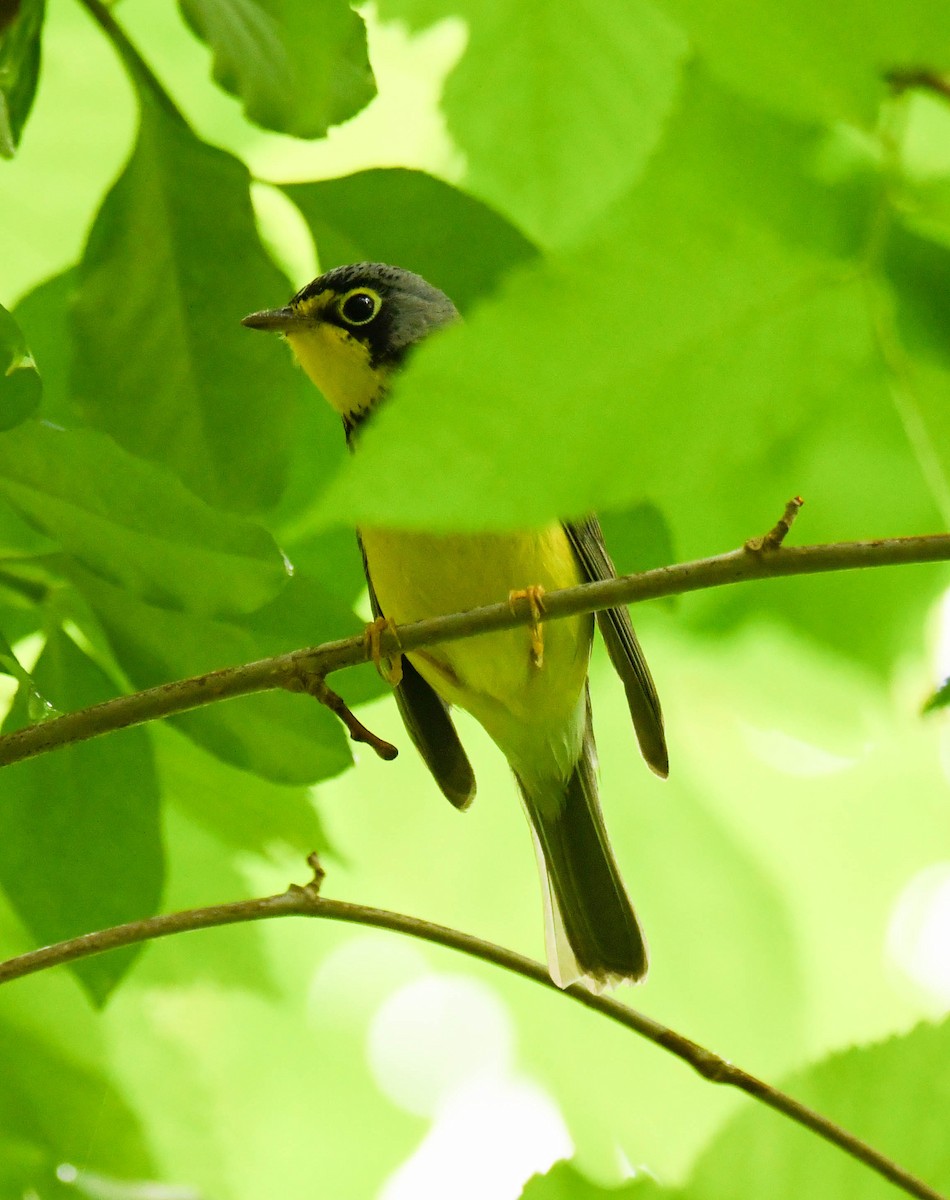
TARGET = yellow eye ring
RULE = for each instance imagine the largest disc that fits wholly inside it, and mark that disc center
(359, 306)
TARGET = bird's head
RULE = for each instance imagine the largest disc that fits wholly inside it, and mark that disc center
(351, 328)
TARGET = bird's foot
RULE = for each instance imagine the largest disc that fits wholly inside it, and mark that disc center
(389, 668)
(535, 598)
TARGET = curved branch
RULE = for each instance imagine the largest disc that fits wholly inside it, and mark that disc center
(300, 669)
(306, 901)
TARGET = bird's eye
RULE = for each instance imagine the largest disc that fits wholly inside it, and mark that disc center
(359, 306)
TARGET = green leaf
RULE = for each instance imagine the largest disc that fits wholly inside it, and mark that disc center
(593, 361)
(45, 312)
(940, 698)
(55, 1110)
(916, 333)
(80, 841)
(638, 539)
(893, 1095)
(135, 524)
(564, 1182)
(244, 812)
(716, 344)
(299, 66)
(20, 26)
(20, 383)
(556, 107)
(288, 739)
(38, 708)
(804, 58)
(161, 363)
(466, 251)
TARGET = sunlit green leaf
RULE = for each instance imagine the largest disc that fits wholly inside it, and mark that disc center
(556, 107)
(288, 739)
(45, 312)
(55, 1110)
(466, 252)
(161, 363)
(21, 22)
(892, 1095)
(804, 57)
(38, 708)
(604, 416)
(80, 844)
(563, 1182)
(298, 66)
(20, 383)
(591, 382)
(247, 813)
(940, 698)
(134, 523)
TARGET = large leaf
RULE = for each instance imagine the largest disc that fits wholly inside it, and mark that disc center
(245, 813)
(20, 384)
(556, 106)
(803, 57)
(893, 1095)
(595, 361)
(285, 738)
(80, 842)
(465, 251)
(161, 363)
(21, 22)
(55, 1110)
(299, 66)
(135, 524)
(713, 351)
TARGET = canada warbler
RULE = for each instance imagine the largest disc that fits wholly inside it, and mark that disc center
(351, 329)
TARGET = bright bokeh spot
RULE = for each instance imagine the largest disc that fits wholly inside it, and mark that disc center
(443, 1046)
(942, 649)
(357, 977)
(434, 1035)
(489, 1138)
(918, 939)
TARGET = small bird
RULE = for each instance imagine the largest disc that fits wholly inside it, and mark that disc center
(351, 330)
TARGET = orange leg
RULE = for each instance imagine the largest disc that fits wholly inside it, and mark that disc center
(535, 597)
(391, 668)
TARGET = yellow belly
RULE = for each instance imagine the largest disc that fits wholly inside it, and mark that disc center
(493, 675)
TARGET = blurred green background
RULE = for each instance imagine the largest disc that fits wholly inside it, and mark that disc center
(704, 259)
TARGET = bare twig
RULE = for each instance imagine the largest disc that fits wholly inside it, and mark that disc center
(317, 688)
(306, 901)
(778, 533)
(738, 566)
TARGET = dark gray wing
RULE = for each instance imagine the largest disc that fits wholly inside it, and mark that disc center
(429, 725)
(588, 542)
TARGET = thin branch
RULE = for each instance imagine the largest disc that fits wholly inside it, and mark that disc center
(306, 901)
(316, 687)
(314, 663)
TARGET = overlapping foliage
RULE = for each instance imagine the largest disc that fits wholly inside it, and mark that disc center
(704, 259)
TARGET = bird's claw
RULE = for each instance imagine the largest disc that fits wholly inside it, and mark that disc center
(535, 598)
(390, 668)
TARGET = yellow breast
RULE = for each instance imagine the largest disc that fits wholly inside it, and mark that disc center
(493, 675)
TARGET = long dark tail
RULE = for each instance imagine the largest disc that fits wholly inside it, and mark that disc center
(593, 932)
